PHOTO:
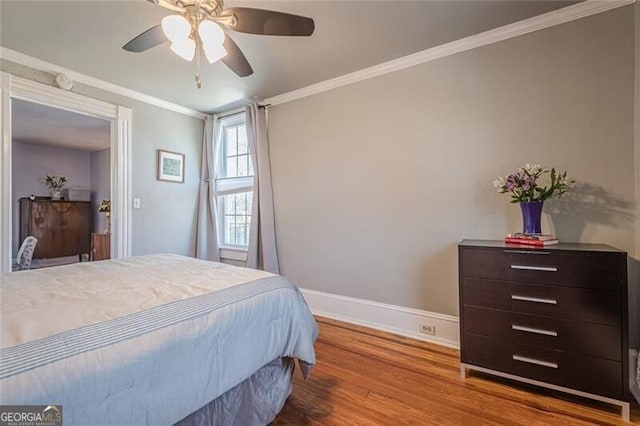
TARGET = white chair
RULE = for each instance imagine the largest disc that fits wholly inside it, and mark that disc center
(25, 254)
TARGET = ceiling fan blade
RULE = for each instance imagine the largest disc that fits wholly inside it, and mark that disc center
(267, 22)
(151, 38)
(235, 59)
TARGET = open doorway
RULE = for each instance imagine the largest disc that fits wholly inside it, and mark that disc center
(12, 89)
(66, 146)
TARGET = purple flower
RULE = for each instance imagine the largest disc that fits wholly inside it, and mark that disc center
(523, 184)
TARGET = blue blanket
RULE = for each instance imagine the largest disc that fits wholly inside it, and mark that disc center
(158, 365)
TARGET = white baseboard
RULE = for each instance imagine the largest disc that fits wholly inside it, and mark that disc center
(385, 317)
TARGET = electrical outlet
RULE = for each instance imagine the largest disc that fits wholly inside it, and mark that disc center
(427, 329)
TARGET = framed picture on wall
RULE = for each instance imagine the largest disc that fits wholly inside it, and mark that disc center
(170, 166)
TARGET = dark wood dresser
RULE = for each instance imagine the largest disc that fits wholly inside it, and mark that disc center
(61, 227)
(552, 316)
(100, 246)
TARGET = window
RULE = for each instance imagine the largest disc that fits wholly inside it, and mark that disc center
(234, 184)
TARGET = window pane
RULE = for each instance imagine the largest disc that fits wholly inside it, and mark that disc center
(231, 140)
(236, 159)
(250, 173)
(227, 231)
(242, 165)
(241, 205)
(232, 167)
(243, 147)
(241, 224)
(229, 205)
(236, 218)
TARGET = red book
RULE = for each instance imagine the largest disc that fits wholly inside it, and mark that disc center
(542, 237)
(528, 242)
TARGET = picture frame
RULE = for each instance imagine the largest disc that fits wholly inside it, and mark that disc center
(170, 166)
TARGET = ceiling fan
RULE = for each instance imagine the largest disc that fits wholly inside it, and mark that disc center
(197, 26)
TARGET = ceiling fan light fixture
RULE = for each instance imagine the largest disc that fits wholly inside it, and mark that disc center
(176, 27)
(214, 52)
(210, 33)
(198, 26)
(185, 48)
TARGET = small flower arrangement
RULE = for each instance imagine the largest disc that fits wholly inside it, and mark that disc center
(54, 182)
(523, 185)
(105, 206)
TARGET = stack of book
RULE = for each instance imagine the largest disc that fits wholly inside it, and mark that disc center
(531, 239)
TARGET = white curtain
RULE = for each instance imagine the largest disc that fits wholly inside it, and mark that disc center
(207, 233)
(262, 252)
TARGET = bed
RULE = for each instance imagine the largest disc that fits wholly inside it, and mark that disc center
(157, 339)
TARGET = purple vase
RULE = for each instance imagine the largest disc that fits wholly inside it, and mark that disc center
(531, 215)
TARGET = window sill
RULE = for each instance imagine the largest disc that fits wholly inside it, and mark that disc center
(230, 253)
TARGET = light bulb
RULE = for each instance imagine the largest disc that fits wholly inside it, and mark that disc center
(176, 28)
(214, 52)
(185, 48)
(210, 33)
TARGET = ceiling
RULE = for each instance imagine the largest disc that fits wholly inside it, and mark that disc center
(44, 125)
(87, 36)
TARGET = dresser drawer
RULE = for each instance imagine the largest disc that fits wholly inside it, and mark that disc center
(590, 305)
(597, 340)
(588, 374)
(586, 269)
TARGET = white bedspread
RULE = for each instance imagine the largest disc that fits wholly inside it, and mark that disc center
(72, 296)
(144, 340)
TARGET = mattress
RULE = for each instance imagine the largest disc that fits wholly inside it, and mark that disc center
(144, 340)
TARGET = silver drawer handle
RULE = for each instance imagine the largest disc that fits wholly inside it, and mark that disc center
(534, 330)
(526, 252)
(535, 361)
(535, 268)
(534, 299)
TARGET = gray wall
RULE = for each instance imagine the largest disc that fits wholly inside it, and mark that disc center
(167, 220)
(30, 163)
(375, 183)
(100, 185)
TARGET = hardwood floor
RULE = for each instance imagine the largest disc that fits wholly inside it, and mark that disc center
(368, 377)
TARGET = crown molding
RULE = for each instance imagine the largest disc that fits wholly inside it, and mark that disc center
(32, 91)
(549, 19)
(38, 64)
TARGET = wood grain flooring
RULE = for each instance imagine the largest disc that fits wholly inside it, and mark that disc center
(368, 377)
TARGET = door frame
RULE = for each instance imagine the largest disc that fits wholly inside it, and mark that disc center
(13, 87)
